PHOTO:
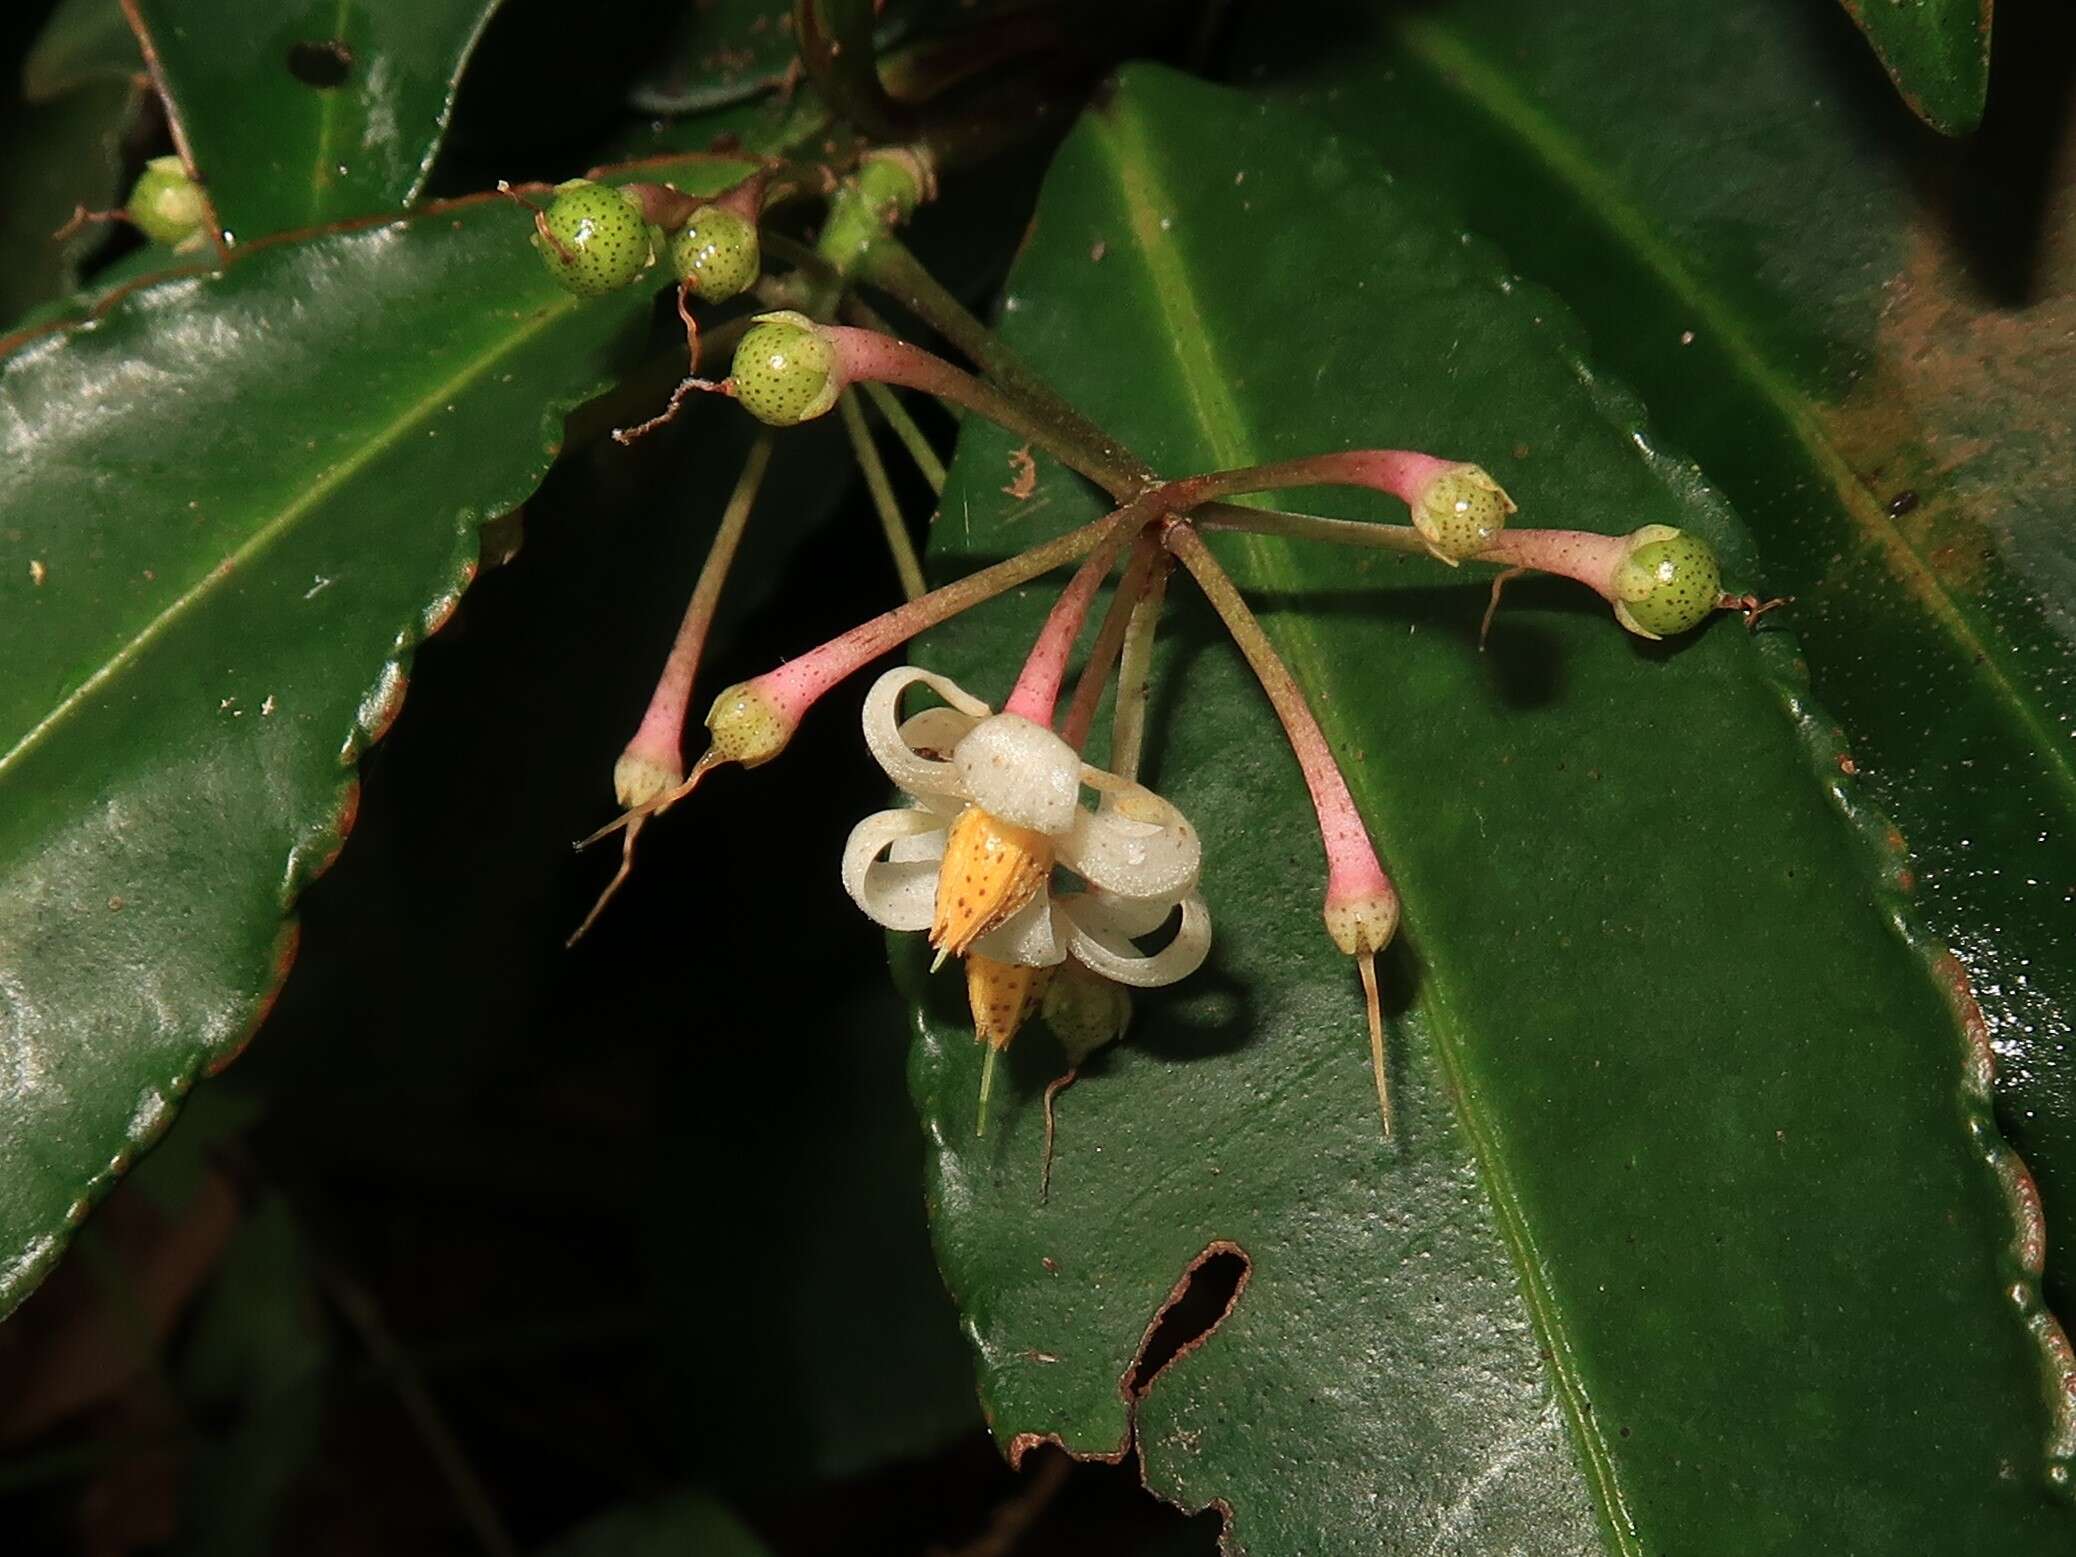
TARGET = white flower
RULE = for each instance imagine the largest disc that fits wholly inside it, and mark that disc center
(1134, 858)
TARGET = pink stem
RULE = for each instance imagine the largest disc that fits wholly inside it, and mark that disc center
(1401, 473)
(1037, 688)
(868, 356)
(1589, 558)
(660, 736)
(1109, 644)
(1353, 871)
(795, 686)
(746, 199)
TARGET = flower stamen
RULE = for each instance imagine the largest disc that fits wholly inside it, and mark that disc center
(1002, 995)
(991, 870)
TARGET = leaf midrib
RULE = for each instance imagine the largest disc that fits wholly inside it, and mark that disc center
(1188, 332)
(232, 565)
(1461, 69)
(327, 124)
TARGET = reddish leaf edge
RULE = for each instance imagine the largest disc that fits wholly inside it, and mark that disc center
(222, 241)
(103, 302)
(317, 847)
(1914, 100)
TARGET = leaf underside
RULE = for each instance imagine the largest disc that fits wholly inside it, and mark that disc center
(1695, 1236)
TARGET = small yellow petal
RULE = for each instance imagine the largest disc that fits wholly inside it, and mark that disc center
(991, 869)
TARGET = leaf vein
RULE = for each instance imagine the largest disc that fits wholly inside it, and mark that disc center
(276, 525)
(1187, 328)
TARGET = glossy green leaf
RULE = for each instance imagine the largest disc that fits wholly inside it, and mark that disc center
(295, 115)
(239, 499)
(1695, 1237)
(1937, 53)
(722, 54)
(1877, 380)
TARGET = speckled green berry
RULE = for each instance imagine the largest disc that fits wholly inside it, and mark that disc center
(600, 240)
(716, 254)
(1668, 583)
(1460, 512)
(785, 372)
(748, 725)
(165, 203)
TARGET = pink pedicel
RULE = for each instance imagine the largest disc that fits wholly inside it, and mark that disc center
(1037, 689)
(1591, 559)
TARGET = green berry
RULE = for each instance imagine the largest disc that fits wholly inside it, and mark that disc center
(1085, 1011)
(1460, 512)
(600, 242)
(784, 371)
(716, 253)
(165, 203)
(1668, 583)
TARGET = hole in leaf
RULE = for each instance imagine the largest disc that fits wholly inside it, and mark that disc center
(321, 65)
(1198, 1305)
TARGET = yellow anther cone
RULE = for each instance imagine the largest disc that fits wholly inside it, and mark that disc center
(991, 869)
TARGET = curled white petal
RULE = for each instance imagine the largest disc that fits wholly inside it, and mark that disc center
(884, 729)
(1126, 916)
(1017, 769)
(937, 729)
(1135, 845)
(1032, 937)
(900, 893)
(928, 846)
(1097, 943)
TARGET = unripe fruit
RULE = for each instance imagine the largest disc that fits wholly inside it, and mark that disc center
(1364, 923)
(596, 239)
(716, 254)
(1460, 513)
(639, 778)
(785, 370)
(165, 203)
(1085, 1011)
(1668, 583)
(747, 726)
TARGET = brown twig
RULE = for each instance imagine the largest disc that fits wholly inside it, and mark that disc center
(1013, 1520)
(1053, 1089)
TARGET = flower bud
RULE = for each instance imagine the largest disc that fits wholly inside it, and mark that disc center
(165, 203)
(785, 371)
(1460, 512)
(1667, 583)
